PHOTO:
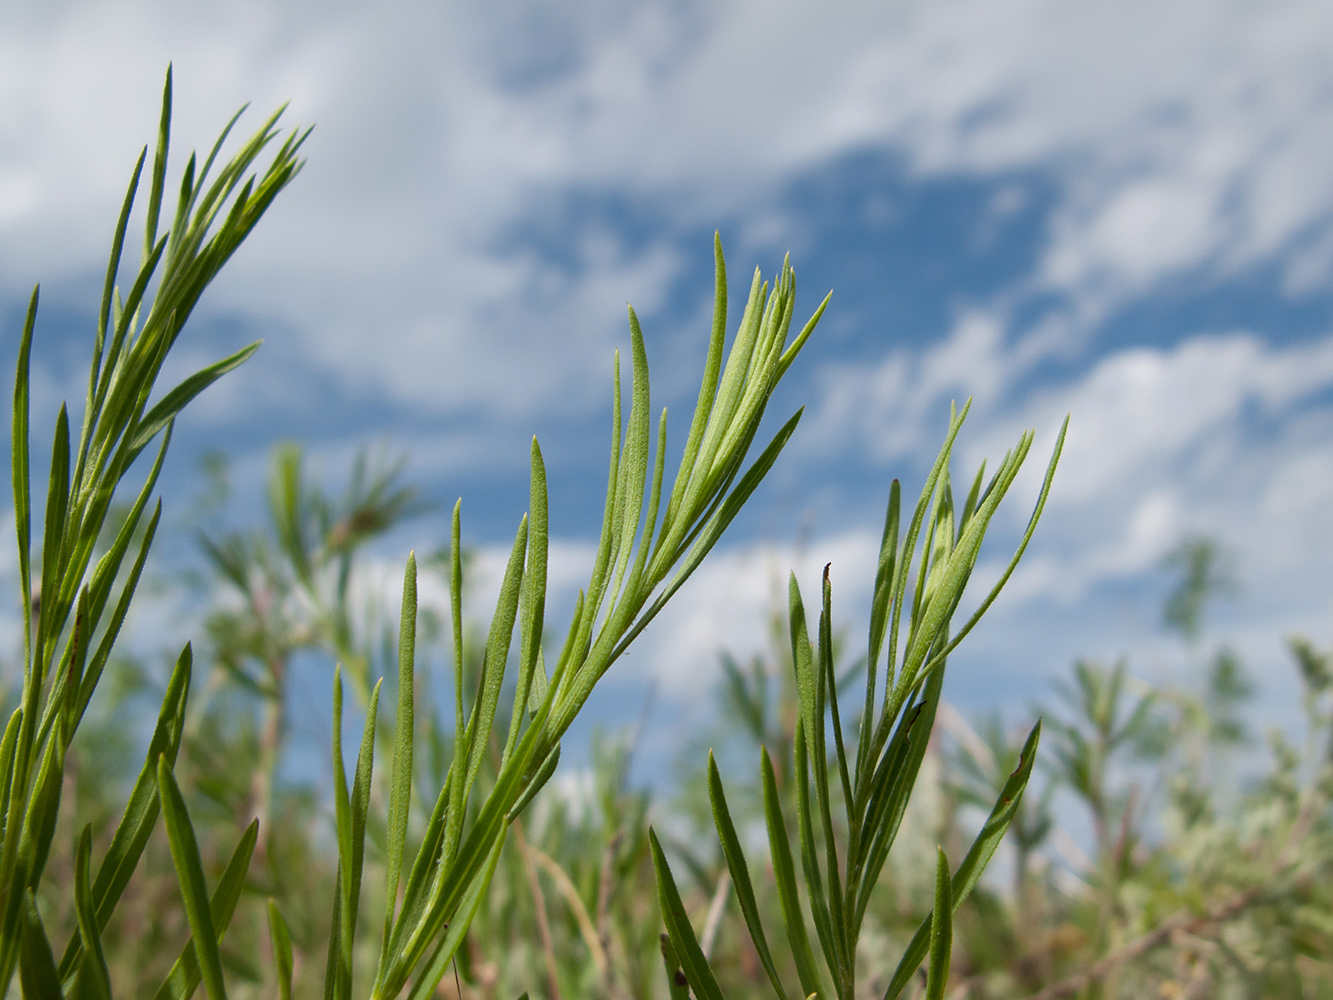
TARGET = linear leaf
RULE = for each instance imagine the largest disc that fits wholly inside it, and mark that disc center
(978, 856)
(740, 872)
(183, 978)
(941, 931)
(37, 966)
(21, 478)
(702, 981)
(190, 874)
(678, 984)
(429, 982)
(94, 978)
(281, 939)
(784, 873)
(400, 778)
(176, 400)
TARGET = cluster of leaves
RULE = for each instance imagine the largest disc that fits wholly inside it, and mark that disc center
(421, 847)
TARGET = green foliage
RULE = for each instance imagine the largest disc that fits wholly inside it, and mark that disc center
(70, 620)
(843, 849)
(457, 863)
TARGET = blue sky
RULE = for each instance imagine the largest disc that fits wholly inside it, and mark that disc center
(1121, 211)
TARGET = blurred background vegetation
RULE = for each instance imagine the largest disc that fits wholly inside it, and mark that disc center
(1163, 849)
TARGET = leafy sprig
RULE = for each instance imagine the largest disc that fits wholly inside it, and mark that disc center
(74, 611)
(850, 807)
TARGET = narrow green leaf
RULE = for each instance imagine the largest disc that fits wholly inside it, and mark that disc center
(190, 874)
(533, 600)
(784, 873)
(140, 816)
(159, 167)
(829, 683)
(7, 749)
(281, 939)
(37, 966)
(39, 822)
(352, 857)
(418, 883)
(702, 981)
(789, 355)
(885, 572)
(109, 285)
(538, 782)
(455, 877)
(94, 978)
(802, 656)
(984, 606)
(814, 881)
(678, 984)
(333, 961)
(897, 685)
(702, 540)
(498, 642)
(57, 508)
(457, 770)
(740, 872)
(427, 985)
(892, 788)
(400, 778)
(176, 400)
(109, 635)
(21, 478)
(707, 390)
(941, 931)
(978, 856)
(184, 976)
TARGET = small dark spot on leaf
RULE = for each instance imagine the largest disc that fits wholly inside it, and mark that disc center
(681, 979)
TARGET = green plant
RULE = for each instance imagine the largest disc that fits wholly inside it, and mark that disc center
(843, 851)
(650, 544)
(74, 611)
(428, 872)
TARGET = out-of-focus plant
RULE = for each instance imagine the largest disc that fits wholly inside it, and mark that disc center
(1199, 884)
(288, 588)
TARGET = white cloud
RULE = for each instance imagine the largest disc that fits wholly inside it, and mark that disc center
(883, 410)
(1221, 434)
(1183, 134)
